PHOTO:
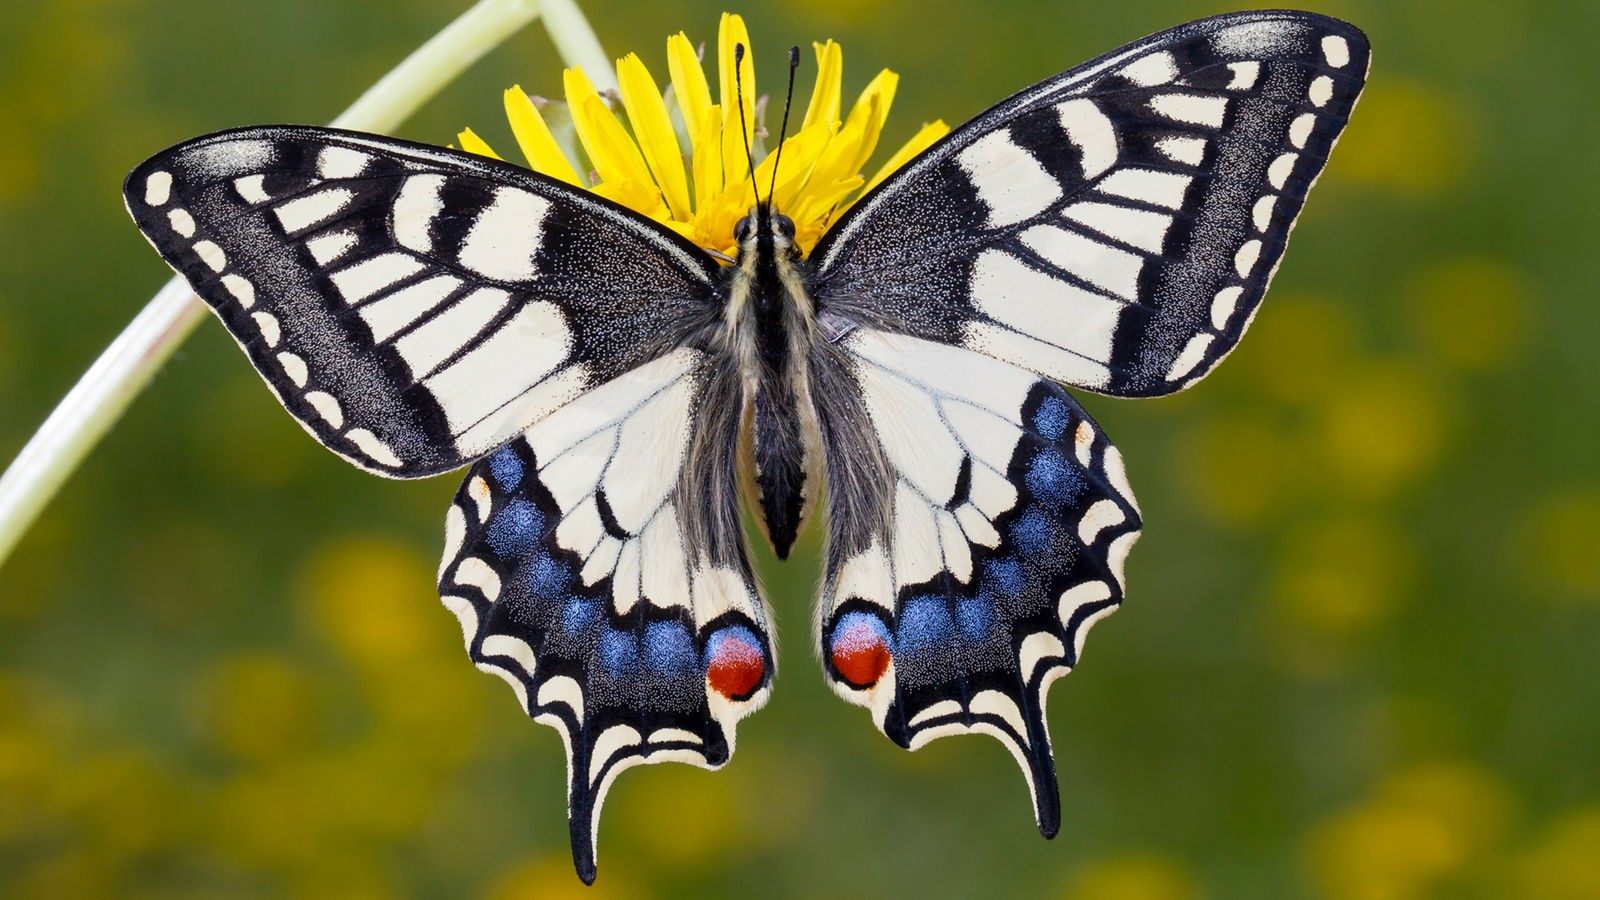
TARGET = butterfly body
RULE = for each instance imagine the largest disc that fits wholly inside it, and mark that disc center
(614, 388)
(771, 330)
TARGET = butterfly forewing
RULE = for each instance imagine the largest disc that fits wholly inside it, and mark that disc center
(1113, 227)
(414, 307)
(597, 565)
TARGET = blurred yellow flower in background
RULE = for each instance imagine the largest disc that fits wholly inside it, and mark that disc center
(1420, 828)
(1472, 312)
(1416, 138)
(1133, 876)
(1563, 865)
(1557, 544)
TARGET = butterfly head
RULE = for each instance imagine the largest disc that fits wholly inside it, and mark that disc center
(765, 231)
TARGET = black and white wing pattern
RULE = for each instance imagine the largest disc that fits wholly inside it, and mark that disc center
(979, 521)
(418, 309)
(1113, 227)
(414, 307)
(597, 565)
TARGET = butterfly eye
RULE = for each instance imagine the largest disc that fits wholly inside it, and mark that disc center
(784, 226)
(741, 229)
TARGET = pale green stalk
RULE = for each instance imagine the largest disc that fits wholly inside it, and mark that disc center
(105, 391)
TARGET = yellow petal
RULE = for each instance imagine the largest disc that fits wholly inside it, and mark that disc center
(687, 229)
(708, 160)
(919, 142)
(534, 137)
(639, 196)
(688, 83)
(824, 106)
(652, 128)
(615, 156)
(738, 129)
(721, 213)
(838, 159)
(471, 143)
(797, 158)
(819, 206)
(735, 199)
(874, 105)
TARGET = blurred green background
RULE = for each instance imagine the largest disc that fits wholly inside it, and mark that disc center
(1358, 658)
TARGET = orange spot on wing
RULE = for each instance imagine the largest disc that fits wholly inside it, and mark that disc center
(736, 669)
(861, 656)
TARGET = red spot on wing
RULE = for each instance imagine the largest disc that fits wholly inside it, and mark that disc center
(736, 668)
(860, 654)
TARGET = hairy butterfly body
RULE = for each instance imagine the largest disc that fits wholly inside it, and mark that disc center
(615, 389)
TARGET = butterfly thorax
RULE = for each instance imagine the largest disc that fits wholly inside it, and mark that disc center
(769, 325)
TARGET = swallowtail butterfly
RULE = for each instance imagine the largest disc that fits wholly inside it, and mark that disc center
(614, 389)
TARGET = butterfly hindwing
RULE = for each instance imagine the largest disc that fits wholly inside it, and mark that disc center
(1113, 227)
(414, 307)
(979, 521)
(597, 565)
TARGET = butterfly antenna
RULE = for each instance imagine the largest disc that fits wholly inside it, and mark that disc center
(783, 130)
(744, 127)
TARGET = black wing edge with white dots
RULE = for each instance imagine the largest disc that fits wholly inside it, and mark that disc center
(1116, 226)
(979, 521)
(414, 307)
(597, 564)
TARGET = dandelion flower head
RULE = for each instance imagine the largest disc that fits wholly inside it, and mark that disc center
(679, 158)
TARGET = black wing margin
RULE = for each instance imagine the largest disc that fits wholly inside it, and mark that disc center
(414, 307)
(1116, 226)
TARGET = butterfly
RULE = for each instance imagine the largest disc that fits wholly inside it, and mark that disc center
(617, 392)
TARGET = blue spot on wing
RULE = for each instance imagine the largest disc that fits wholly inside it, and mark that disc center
(925, 649)
(975, 618)
(924, 623)
(668, 648)
(857, 626)
(1053, 479)
(619, 653)
(1033, 531)
(547, 576)
(1004, 576)
(580, 616)
(1052, 418)
(730, 633)
(514, 527)
(506, 467)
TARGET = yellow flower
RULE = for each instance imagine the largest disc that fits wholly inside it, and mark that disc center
(694, 176)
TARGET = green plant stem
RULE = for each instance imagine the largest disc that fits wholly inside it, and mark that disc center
(576, 43)
(126, 366)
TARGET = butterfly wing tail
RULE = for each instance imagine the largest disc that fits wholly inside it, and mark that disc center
(590, 778)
